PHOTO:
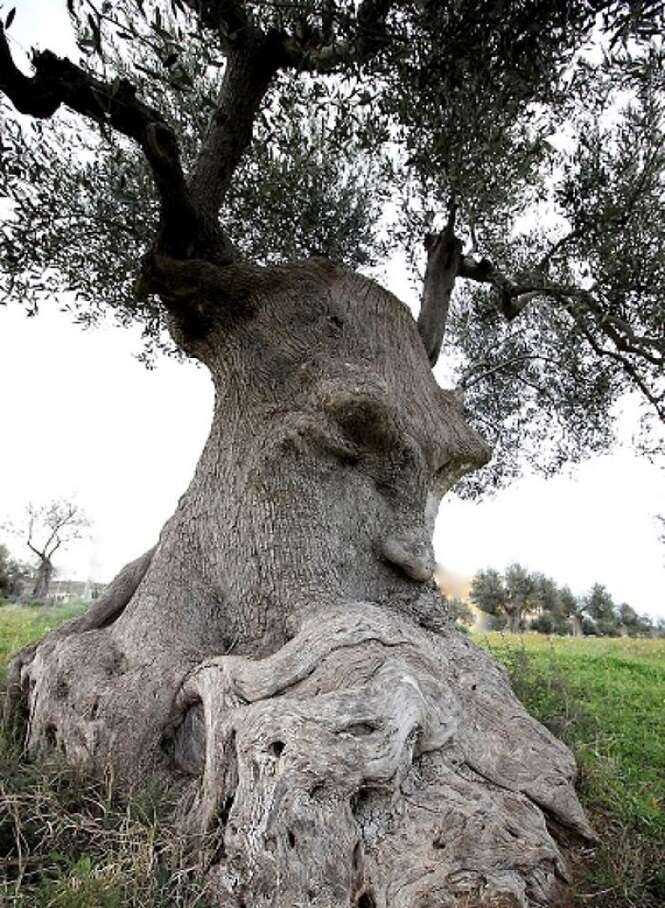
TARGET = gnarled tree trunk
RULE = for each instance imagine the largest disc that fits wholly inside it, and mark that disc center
(43, 578)
(282, 654)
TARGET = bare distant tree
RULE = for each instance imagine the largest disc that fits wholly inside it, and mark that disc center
(48, 528)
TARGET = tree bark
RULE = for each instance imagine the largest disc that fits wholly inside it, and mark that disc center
(283, 656)
(43, 579)
(514, 615)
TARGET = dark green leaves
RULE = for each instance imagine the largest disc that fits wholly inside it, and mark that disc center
(542, 121)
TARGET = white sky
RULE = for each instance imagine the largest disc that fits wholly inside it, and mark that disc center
(79, 416)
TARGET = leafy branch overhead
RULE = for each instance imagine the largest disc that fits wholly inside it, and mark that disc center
(525, 140)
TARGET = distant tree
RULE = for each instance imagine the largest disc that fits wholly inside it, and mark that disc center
(12, 574)
(488, 592)
(627, 618)
(520, 588)
(646, 627)
(49, 528)
(5, 567)
(459, 612)
(634, 624)
(547, 601)
(510, 595)
(573, 609)
(601, 612)
(516, 595)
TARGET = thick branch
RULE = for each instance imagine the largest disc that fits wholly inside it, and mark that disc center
(58, 82)
(510, 291)
(248, 73)
(444, 253)
(253, 58)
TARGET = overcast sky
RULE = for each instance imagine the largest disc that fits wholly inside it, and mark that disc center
(81, 417)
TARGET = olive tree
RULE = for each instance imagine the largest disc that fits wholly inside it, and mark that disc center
(50, 528)
(600, 612)
(230, 172)
(514, 594)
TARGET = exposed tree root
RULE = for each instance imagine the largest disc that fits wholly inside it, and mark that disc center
(369, 762)
(103, 612)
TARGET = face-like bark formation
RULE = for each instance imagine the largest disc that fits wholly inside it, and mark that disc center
(283, 649)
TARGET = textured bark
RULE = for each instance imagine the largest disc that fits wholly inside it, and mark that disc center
(283, 654)
(444, 254)
(43, 579)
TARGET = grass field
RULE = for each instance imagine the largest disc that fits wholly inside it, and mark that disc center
(19, 624)
(604, 697)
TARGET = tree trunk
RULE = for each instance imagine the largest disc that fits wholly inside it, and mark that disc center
(576, 625)
(514, 613)
(43, 579)
(283, 655)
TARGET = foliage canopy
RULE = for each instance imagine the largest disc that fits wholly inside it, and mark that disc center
(535, 602)
(534, 128)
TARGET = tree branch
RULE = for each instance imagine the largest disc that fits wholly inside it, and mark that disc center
(543, 265)
(628, 367)
(34, 550)
(227, 17)
(484, 272)
(514, 296)
(444, 254)
(306, 54)
(249, 71)
(469, 379)
(58, 82)
(253, 58)
(58, 543)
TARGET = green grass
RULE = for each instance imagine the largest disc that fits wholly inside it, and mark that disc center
(20, 624)
(604, 697)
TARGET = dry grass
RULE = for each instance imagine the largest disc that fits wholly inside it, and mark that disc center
(67, 842)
